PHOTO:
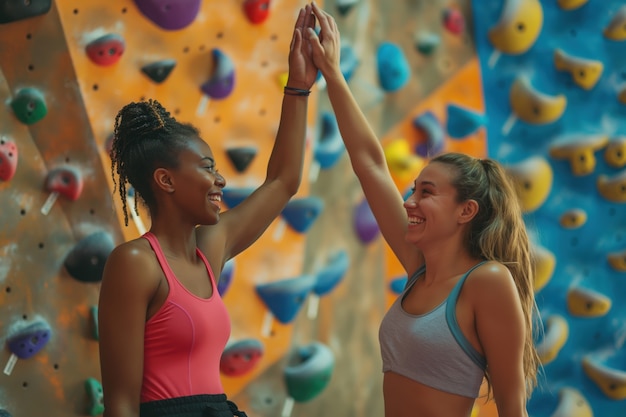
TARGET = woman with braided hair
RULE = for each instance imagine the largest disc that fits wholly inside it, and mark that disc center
(468, 308)
(162, 323)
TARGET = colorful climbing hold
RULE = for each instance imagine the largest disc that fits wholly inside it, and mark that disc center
(241, 357)
(25, 341)
(584, 302)
(332, 273)
(159, 71)
(613, 188)
(573, 219)
(301, 213)
(571, 4)
(611, 381)
(518, 26)
(365, 224)
(397, 284)
(308, 371)
(12, 11)
(285, 298)
(170, 14)
(241, 157)
(615, 152)
(106, 50)
(426, 43)
(226, 277)
(8, 159)
(393, 68)
(86, 260)
(579, 150)
(93, 387)
(532, 178)
(554, 338)
(434, 138)
(232, 196)
(95, 328)
(344, 6)
(329, 147)
(64, 180)
(585, 72)
(616, 29)
(462, 122)
(257, 11)
(453, 20)
(29, 105)
(222, 80)
(403, 163)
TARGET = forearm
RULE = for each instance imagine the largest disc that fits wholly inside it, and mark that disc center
(287, 158)
(360, 140)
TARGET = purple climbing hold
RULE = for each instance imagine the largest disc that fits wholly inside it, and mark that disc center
(170, 14)
(222, 80)
(365, 223)
(29, 340)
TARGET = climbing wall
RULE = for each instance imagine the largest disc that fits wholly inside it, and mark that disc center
(67, 67)
(554, 76)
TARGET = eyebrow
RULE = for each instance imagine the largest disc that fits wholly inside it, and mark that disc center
(427, 183)
(208, 158)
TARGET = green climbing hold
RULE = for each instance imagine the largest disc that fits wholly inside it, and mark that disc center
(29, 106)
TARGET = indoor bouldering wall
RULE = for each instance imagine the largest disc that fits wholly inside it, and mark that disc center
(554, 75)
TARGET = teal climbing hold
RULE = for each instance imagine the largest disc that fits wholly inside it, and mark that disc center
(301, 213)
(462, 122)
(285, 298)
(397, 284)
(95, 329)
(93, 387)
(308, 371)
(29, 105)
(426, 43)
(393, 68)
(344, 6)
(14, 10)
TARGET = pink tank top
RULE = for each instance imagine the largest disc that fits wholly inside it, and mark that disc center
(184, 340)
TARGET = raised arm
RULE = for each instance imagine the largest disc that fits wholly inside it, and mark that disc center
(364, 148)
(244, 224)
(124, 297)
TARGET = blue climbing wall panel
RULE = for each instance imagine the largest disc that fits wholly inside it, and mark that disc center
(554, 76)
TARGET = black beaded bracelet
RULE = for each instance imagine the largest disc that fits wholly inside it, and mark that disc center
(292, 91)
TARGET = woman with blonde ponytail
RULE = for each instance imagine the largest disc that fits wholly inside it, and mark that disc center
(466, 313)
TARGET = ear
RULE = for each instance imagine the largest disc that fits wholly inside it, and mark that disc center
(469, 209)
(163, 180)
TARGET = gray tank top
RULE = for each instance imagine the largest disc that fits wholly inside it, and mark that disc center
(430, 348)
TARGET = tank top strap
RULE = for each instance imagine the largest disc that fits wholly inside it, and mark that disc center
(208, 268)
(167, 271)
(454, 325)
(411, 280)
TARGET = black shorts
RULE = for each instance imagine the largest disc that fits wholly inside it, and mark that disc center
(193, 406)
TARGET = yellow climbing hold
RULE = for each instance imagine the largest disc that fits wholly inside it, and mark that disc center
(583, 302)
(584, 72)
(518, 26)
(533, 181)
(533, 106)
(579, 150)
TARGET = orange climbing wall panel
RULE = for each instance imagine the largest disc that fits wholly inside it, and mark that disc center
(48, 53)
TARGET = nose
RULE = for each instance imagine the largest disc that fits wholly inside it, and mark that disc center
(220, 180)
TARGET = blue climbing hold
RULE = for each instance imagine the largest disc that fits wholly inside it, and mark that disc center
(393, 68)
(226, 277)
(26, 341)
(462, 122)
(233, 196)
(285, 298)
(331, 275)
(397, 284)
(86, 261)
(329, 147)
(301, 213)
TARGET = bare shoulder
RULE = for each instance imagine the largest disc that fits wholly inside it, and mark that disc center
(492, 280)
(132, 264)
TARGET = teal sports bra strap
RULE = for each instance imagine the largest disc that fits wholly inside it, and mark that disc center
(454, 325)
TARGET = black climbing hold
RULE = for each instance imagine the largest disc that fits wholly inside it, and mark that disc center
(241, 157)
(160, 70)
(86, 261)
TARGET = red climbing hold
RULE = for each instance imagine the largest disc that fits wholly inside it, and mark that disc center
(8, 159)
(106, 50)
(257, 11)
(454, 21)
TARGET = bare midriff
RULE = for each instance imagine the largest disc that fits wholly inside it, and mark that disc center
(407, 398)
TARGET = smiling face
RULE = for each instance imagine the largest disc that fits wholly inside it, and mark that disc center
(197, 183)
(433, 210)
